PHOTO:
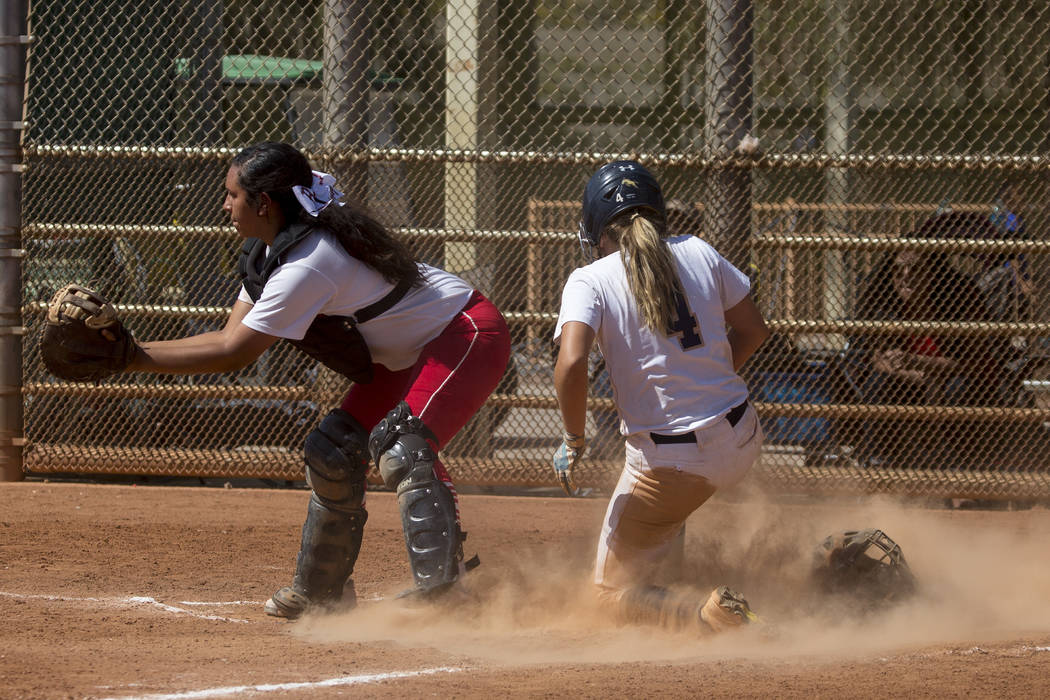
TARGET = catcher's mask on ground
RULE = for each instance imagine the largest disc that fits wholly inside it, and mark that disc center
(863, 564)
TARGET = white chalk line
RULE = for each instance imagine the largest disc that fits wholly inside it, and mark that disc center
(1010, 651)
(302, 685)
(345, 681)
(137, 601)
(132, 602)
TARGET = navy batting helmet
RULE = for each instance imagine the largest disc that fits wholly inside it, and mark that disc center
(612, 190)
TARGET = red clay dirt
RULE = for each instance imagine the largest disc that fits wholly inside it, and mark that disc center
(120, 591)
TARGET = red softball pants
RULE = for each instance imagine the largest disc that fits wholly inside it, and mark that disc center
(452, 378)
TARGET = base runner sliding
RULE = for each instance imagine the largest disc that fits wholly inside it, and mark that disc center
(674, 322)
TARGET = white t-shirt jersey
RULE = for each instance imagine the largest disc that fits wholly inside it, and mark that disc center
(663, 382)
(318, 277)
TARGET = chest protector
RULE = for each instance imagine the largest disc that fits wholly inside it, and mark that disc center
(334, 341)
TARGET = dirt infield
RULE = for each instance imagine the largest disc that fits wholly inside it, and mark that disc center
(156, 592)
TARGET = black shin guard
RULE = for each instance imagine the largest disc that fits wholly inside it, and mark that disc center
(432, 536)
(336, 454)
(330, 544)
(402, 448)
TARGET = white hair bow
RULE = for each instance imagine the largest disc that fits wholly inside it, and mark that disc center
(319, 194)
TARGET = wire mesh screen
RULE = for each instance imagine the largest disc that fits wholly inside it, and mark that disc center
(891, 218)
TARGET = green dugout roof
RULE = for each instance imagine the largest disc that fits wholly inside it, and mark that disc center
(252, 69)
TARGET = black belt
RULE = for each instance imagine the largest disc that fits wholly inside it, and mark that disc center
(734, 416)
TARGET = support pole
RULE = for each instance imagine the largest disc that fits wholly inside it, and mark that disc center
(471, 111)
(13, 41)
(838, 127)
(207, 124)
(345, 90)
(727, 121)
(462, 103)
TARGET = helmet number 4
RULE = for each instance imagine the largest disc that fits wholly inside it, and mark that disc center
(685, 325)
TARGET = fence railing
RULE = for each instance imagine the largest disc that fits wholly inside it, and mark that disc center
(470, 128)
(508, 444)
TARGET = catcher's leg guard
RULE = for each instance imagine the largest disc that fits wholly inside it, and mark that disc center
(336, 463)
(433, 538)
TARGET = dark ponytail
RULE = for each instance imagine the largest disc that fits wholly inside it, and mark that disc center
(275, 168)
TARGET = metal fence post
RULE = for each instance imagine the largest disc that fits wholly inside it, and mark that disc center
(728, 101)
(13, 40)
(345, 91)
(470, 105)
(839, 103)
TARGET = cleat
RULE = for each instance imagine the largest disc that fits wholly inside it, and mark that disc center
(726, 609)
(451, 591)
(448, 596)
(291, 604)
(423, 594)
(287, 603)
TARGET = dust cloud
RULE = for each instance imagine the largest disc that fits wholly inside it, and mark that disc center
(984, 576)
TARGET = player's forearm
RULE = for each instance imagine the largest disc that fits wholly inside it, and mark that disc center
(745, 344)
(570, 384)
(747, 331)
(201, 354)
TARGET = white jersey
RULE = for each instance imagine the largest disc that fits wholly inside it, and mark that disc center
(318, 277)
(671, 382)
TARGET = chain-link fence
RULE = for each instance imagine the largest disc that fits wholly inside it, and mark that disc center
(892, 219)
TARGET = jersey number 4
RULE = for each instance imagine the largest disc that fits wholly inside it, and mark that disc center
(685, 325)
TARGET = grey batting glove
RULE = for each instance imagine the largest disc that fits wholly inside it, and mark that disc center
(565, 459)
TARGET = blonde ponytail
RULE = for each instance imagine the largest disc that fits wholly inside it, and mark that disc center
(650, 267)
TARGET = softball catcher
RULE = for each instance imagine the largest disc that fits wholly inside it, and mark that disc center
(421, 346)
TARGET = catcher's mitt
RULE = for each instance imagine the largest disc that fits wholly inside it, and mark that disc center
(83, 340)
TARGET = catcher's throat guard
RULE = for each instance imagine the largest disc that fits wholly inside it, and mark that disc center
(865, 564)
